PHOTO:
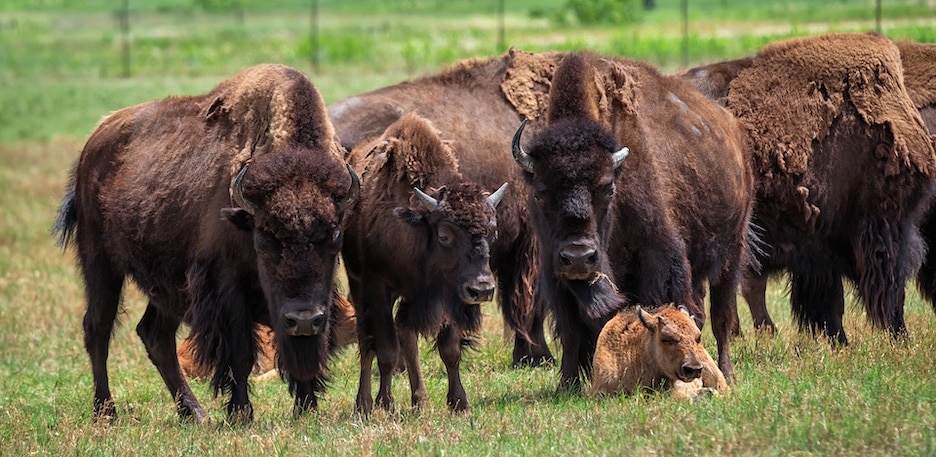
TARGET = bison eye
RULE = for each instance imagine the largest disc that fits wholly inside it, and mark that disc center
(445, 235)
(667, 340)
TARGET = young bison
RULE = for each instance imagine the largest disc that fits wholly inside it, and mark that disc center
(662, 350)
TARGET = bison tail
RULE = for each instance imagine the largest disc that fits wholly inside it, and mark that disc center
(67, 217)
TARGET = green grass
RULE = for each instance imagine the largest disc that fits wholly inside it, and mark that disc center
(59, 74)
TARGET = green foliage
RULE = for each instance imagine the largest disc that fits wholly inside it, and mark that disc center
(591, 12)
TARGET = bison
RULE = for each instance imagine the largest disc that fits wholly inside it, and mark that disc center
(226, 210)
(810, 105)
(660, 350)
(420, 233)
(919, 64)
(642, 192)
(477, 103)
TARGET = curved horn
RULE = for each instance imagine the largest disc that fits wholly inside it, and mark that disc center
(237, 192)
(430, 203)
(498, 194)
(353, 192)
(619, 156)
(522, 158)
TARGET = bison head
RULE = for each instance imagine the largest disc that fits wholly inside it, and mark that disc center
(293, 207)
(675, 343)
(460, 223)
(572, 166)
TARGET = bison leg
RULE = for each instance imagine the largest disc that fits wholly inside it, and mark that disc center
(305, 393)
(450, 349)
(409, 350)
(754, 290)
(724, 304)
(364, 402)
(534, 351)
(103, 291)
(926, 275)
(158, 331)
(818, 302)
(886, 252)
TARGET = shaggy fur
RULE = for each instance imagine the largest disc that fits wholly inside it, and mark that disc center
(671, 219)
(264, 368)
(430, 259)
(150, 199)
(866, 71)
(466, 101)
(637, 349)
(810, 105)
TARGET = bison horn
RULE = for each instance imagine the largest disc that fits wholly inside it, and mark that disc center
(619, 156)
(430, 203)
(498, 194)
(353, 192)
(522, 158)
(237, 192)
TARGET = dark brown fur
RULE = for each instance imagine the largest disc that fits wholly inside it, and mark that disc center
(468, 103)
(150, 200)
(435, 260)
(671, 218)
(822, 221)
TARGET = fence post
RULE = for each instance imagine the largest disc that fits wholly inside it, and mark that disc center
(684, 10)
(315, 36)
(125, 38)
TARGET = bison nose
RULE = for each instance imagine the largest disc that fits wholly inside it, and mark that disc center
(578, 257)
(689, 372)
(478, 292)
(304, 323)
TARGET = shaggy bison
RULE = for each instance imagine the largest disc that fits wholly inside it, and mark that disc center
(226, 210)
(810, 106)
(659, 350)
(477, 103)
(420, 233)
(642, 186)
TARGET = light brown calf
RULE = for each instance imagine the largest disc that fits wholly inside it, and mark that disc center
(265, 368)
(657, 351)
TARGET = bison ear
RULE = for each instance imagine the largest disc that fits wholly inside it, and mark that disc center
(408, 216)
(241, 219)
(646, 319)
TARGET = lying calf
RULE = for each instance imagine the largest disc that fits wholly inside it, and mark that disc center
(656, 351)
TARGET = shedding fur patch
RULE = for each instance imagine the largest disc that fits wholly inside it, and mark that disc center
(528, 80)
(919, 65)
(823, 73)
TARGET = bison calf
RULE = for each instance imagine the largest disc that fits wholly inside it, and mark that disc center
(422, 234)
(661, 350)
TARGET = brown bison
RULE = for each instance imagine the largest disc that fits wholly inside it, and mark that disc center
(919, 64)
(660, 350)
(810, 105)
(477, 103)
(265, 367)
(226, 210)
(642, 186)
(420, 233)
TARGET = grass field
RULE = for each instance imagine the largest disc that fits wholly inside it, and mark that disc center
(59, 74)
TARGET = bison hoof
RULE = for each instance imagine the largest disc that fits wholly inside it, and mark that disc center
(104, 411)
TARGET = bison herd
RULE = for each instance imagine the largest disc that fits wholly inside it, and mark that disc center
(593, 191)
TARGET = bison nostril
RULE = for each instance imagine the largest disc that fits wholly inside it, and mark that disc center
(304, 323)
(692, 372)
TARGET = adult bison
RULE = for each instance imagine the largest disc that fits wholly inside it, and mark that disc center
(640, 185)
(422, 234)
(226, 210)
(811, 106)
(477, 103)
(919, 64)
